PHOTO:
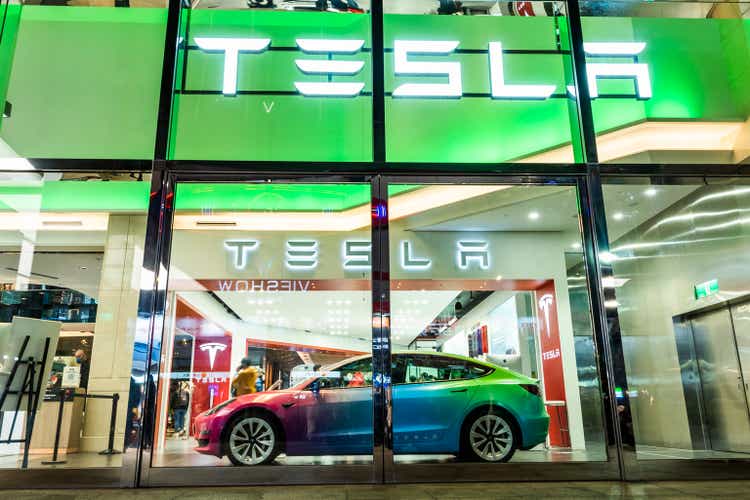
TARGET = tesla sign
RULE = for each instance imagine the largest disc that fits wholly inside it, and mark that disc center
(303, 254)
(404, 65)
(212, 348)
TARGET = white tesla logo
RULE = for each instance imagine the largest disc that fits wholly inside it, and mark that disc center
(545, 302)
(212, 348)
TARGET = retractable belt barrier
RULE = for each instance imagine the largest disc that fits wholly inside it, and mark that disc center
(112, 422)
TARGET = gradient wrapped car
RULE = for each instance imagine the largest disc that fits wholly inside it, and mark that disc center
(442, 403)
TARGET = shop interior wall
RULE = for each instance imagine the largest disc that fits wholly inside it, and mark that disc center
(660, 287)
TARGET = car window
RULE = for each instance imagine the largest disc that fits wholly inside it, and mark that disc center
(352, 375)
(398, 368)
(421, 369)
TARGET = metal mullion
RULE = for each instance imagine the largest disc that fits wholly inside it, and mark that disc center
(583, 97)
(152, 299)
(378, 81)
(381, 334)
(151, 307)
(608, 345)
(168, 74)
(596, 242)
(371, 168)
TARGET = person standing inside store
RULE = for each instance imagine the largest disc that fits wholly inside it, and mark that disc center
(83, 362)
(179, 402)
(244, 382)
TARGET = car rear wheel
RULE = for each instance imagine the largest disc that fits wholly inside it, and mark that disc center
(490, 437)
(252, 440)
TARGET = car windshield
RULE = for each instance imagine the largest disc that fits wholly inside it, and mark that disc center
(350, 373)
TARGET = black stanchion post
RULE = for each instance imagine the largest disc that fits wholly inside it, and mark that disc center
(112, 423)
(57, 433)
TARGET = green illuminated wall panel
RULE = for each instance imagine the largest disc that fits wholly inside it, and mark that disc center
(84, 82)
(268, 119)
(700, 70)
(476, 127)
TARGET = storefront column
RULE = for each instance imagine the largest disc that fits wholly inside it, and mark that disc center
(112, 352)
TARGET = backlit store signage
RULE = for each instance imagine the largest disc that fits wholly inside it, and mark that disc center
(303, 254)
(404, 66)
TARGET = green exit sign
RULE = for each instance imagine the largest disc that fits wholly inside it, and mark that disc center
(706, 289)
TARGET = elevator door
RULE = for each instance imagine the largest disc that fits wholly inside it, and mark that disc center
(741, 324)
(722, 383)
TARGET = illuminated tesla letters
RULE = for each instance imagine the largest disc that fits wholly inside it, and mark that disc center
(329, 67)
(232, 48)
(356, 255)
(408, 62)
(240, 249)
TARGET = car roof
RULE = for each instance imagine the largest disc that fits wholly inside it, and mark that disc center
(413, 353)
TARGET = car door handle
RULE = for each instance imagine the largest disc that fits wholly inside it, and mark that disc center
(459, 390)
(287, 405)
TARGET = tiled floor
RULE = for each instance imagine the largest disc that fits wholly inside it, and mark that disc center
(483, 491)
(179, 453)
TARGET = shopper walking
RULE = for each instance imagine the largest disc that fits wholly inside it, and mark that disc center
(179, 402)
(244, 382)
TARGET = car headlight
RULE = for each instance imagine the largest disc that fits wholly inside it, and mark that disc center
(219, 406)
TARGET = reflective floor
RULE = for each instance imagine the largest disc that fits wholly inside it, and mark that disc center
(72, 461)
(660, 453)
(665, 490)
(179, 453)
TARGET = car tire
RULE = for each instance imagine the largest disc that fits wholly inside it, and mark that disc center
(489, 436)
(252, 439)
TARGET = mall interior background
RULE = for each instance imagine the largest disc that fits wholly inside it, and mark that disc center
(73, 242)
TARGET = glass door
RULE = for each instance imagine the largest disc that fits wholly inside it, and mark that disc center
(269, 309)
(494, 365)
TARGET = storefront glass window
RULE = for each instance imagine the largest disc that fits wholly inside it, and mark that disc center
(80, 79)
(72, 250)
(267, 351)
(478, 82)
(669, 80)
(681, 287)
(491, 326)
(259, 80)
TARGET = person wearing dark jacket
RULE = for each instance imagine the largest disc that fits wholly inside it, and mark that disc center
(179, 402)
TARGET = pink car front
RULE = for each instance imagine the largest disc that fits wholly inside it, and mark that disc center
(209, 426)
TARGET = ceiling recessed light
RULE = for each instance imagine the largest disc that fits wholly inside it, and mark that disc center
(499, 277)
(533, 215)
(618, 216)
(650, 192)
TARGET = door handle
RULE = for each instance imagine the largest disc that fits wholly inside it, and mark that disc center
(459, 390)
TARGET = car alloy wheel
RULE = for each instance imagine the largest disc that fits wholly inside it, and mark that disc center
(252, 441)
(491, 438)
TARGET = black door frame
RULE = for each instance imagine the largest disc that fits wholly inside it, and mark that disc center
(137, 468)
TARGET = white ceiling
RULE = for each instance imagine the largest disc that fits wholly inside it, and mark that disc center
(339, 313)
(635, 206)
(54, 262)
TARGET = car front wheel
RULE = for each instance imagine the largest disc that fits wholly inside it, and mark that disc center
(490, 437)
(252, 440)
